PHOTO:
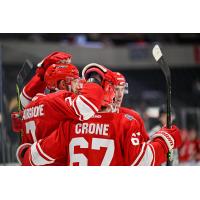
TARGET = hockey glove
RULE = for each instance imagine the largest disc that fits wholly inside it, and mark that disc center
(171, 137)
(54, 58)
(16, 122)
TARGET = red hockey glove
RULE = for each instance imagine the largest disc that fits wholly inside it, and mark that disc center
(54, 58)
(171, 137)
(16, 122)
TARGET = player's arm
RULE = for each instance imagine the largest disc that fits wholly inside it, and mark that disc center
(88, 102)
(37, 84)
(141, 125)
(154, 152)
(45, 151)
(34, 86)
(91, 97)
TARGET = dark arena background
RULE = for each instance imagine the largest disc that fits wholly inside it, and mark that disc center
(130, 54)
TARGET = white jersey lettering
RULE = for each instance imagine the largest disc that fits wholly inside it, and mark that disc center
(32, 112)
(97, 129)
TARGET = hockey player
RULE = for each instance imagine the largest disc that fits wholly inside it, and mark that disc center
(120, 89)
(37, 83)
(104, 139)
(45, 112)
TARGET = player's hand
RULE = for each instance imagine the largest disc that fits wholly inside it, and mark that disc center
(16, 122)
(171, 137)
(54, 58)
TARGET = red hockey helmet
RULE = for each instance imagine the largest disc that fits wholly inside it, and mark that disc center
(58, 72)
(121, 81)
(94, 67)
(108, 80)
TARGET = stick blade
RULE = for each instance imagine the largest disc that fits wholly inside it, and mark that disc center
(157, 54)
(24, 71)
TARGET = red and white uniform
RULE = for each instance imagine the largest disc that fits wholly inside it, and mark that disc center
(137, 116)
(33, 87)
(44, 114)
(37, 83)
(105, 139)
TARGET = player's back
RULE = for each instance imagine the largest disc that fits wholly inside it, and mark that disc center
(105, 139)
(137, 116)
(43, 115)
(99, 140)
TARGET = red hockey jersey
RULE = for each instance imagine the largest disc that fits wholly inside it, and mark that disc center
(44, 114)
(137, 116)
(105, 139)
(34, 86)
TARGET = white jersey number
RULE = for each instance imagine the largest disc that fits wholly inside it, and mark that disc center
(97, 143)
(31, 128)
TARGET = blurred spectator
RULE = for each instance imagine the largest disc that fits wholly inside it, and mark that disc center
(184, 149)
(189, 153)
(196, 87)
(193, 148)
(162, 119)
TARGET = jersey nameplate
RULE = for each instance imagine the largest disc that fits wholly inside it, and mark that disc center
(96, 129)
(35, 111)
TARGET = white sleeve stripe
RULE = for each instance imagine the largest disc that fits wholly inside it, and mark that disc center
(152, 149)
(82, 109)
(18, 149)
(89, 102)
(44, 154)
(86, 103)
(147, 158)
(24, 100)
(31, 161)
(36, 158)
(140, 154)
(76, 110)
(24, 93)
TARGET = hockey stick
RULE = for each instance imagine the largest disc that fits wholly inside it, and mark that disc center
(24, 72)
(157, 54)
(22, 75)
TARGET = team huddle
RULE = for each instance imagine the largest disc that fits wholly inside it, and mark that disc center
(81, 122)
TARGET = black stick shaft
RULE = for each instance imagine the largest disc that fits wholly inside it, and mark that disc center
(168, 103)
(167, 74)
